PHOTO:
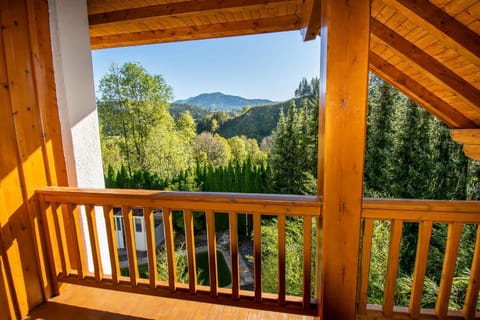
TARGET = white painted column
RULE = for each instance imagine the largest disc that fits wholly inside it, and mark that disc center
(72, 61)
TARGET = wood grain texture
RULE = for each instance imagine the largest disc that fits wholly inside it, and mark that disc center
(190, 244)
(94, 244)
(365, 265)
(423, 245)
(448, 269)
(130, 244)
(233, 223)
(471, 298)
(435, 69)
(170, 246)
(343, 98)
(392, 267)
(79, 302)
(212, 252)
(112, 243)
(418, 93)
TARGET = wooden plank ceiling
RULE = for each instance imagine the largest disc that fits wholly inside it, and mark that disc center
(429, 50)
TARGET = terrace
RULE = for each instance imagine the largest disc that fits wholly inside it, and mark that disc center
(52, 263)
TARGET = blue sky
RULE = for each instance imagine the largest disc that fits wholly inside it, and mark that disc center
(268, 66)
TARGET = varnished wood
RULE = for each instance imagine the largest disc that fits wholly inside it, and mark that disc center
(423, 245)
(311, 19)
(212, 252)
(471, 297)
(437, 70)
(50, 238)
(61, 238)
(130, 244)
(94, 245)
(343, 98)
(472, 151)
(442, 25)
(448, 269)
(80, 252)
(180, 8)
(268, 204)
(466, 136)
(151, 246)
(112, 243)
(210, 31)
(257, 256)
(190, 243)
(392, 267)
(365, 265)
(307, 261)
(235, 270)
(418, 93)
(170, 248)
(79, 302)
(281, 259)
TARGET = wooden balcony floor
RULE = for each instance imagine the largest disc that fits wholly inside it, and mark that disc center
(79, 302)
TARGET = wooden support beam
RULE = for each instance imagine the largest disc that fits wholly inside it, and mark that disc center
(436, 70)
(470, 138)
(192, 7)
(418, 93)
(343, 99)
(210, 31)
(443, 26)
(311, 19)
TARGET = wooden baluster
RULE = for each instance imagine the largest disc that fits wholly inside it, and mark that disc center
(78, 239)
(424, 235)
(130, 242)
(281, 259)
(92, 231)
(307, 261)
(151, 246)
(257, 256)
(61, 239)
(449, 262)
(365, 265)
(470, 306)
(192, 265)
(318, 257)
(46, 211)
(233, 220)
(170, 246)
(112, 243)
(212, 253)
(392, 267)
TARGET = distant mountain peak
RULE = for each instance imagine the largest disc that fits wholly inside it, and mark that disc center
(221, 101)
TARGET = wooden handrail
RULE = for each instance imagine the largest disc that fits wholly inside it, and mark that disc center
(424, 212)
(84, 202)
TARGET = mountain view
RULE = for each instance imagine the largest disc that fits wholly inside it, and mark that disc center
(222, 102)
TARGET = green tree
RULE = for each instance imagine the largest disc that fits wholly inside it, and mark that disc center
(131, 104)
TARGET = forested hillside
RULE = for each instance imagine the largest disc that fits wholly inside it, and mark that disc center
(409, 154)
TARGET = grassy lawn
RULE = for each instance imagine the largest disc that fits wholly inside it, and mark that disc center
(203, 276)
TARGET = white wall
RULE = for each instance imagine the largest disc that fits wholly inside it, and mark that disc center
(76, 99)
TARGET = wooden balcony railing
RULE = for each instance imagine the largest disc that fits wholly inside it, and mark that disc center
(61, 213)
(426, 214)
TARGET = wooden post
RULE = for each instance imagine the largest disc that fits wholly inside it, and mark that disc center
(343, 96)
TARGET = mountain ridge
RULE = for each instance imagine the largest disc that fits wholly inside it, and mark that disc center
(222, 102)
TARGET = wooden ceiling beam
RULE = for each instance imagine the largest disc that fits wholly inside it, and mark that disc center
(445, 27)
(312, 12)
(218, 30)
(439, 72)
(174, 9)
(418, 93)
(470, 138)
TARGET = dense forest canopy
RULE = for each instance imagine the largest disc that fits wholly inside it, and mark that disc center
(409, 154)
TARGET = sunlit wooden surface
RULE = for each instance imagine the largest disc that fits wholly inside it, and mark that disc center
(78, 302)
